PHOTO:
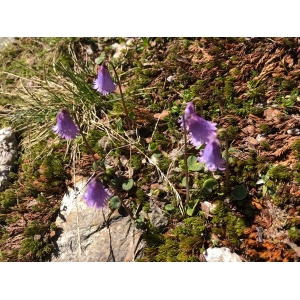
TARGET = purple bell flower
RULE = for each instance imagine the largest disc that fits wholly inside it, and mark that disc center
(200, 129)
(96, 194)
(65, 126)
(103, 83)
(211, 155)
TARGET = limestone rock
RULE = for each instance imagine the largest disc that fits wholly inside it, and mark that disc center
(220, 255)
(104, 235)
(8, 153)
(5, 41)
(157, 217)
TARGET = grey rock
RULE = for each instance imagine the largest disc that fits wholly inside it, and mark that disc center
(157, 217)
(104, 235)
(8, 154)
(5, 41)
(221, 255)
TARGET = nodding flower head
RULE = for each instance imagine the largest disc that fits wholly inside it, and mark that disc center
(103, 83)
(96, 194)
(200, 129)
(211, 155)
(65, 126)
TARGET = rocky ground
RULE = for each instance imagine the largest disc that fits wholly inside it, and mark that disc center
(248, 86)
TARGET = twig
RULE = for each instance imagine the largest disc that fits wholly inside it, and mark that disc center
(77, 214)
(227, 161)
(122, 96)
(187, 187)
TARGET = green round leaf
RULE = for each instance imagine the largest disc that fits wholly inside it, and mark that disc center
(128, 185)
(169, 207)
(100, 58)
(210, 184)
(190, 211)
(193, 164)
(115, 202)
(240, 192)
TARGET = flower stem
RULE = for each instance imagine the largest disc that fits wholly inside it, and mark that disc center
(187, 189)
(92, 153)
(121, 92)
(227, 161)
(90, 150)
(127, 209)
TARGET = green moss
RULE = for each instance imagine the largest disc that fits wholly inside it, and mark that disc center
(265, 145)
(34, 246)
(265, 128)
(8, 198)
(229, 88)
(140, 195)
(164, 163)
(231, 132)
(234, 225)
(146, 207)
(279, 173)
(184, 243)
(32, 249)
(136, 161)
(296, 148)
(296, 172)
(93, 138)
(294, 234)
(280, 200)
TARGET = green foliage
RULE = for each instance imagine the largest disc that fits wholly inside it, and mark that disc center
(169, 207)
(8, 198)
(228, 224)
(32, 249)
(184, 243)
(190, 209)
(144, 67)
(280, 200)
(229, 88)
(265, 128)
(115, 202)
(296, 172)
(296, 148)
(288, 101)
(141, 197)
(240, 192)
(183, 182)
(34, 228)
(265, 145)
(210, 184)
(140, 222)
(280, 173)
(294, 234)
(193, 164)
(164, 163)
(93, 137)
(231, 132)
(128, 185)
(34, 246)
(136, 161)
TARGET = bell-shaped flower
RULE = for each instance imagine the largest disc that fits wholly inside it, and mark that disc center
(96, 194)
(65, 126)
(103, 83)
(211, 155)
(200, 129)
